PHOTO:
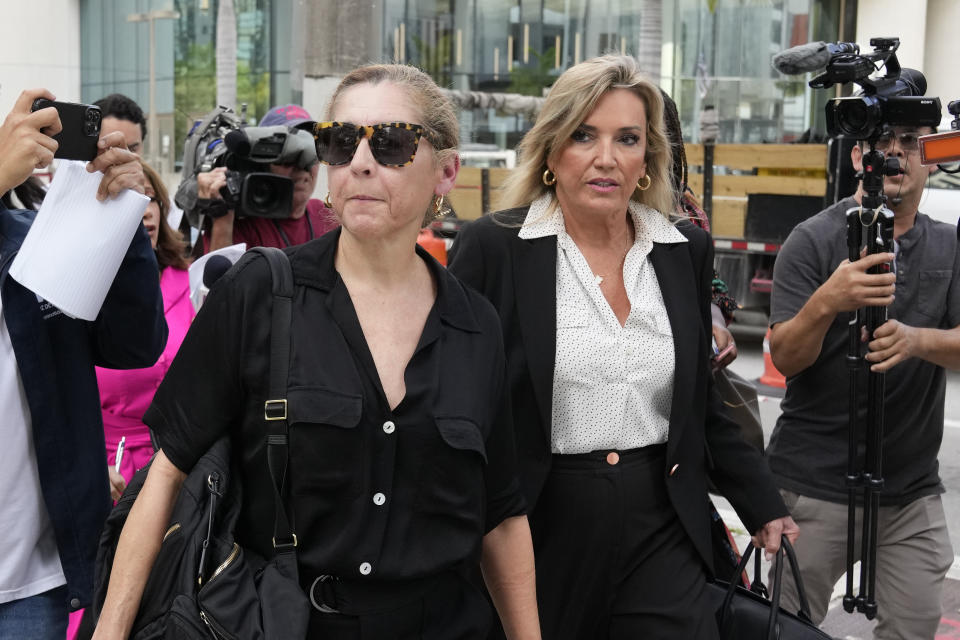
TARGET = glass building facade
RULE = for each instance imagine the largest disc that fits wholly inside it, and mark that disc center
(115, 58)
(703, 52)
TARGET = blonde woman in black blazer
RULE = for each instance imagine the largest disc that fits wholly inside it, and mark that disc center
(604, 304)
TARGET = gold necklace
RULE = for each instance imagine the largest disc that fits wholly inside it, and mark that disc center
(599, 279)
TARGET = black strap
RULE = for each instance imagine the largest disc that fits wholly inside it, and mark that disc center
(786, 550)
(275, 407)
(283, 234)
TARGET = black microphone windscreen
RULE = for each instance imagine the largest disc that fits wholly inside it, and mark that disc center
(914, 80)
(812, 56)
(237, 142)
(214, 269)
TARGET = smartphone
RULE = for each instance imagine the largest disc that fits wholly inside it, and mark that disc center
(81, 129)
(717, 354)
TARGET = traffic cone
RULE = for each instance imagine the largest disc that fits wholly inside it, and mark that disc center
(435, 246)
(772, 380)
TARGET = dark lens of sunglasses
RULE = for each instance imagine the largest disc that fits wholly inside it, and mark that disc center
(393, 146)
(335, 145)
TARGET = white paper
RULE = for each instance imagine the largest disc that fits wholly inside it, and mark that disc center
(73, 250)
(174, 216)
(198, 291)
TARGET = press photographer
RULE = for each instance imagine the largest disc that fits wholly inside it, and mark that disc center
(910, 278)
(253, 184)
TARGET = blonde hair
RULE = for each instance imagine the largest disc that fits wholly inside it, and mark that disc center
(571, 100)
(437, 114)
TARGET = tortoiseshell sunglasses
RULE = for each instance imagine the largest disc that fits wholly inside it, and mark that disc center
(393, 144)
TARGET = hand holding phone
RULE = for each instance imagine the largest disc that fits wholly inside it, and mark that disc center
(21, 150)
(718, 355)
(722, 354)
(80, 129)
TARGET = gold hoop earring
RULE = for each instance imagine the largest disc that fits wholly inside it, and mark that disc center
(438, 207)
(327, 202)
(644, 187)
(549, 178)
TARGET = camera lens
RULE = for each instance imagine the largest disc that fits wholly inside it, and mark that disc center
(93, 115)
(262, 194)
(858, 117)
(854, 117)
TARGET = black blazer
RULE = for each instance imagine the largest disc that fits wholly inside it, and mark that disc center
(519, 278)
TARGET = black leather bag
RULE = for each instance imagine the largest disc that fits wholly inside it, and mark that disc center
(747, 614)
(204, 584)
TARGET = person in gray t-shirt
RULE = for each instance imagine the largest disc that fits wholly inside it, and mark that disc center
(815, 290)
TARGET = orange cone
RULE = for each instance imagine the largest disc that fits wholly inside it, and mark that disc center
(435, 246)
(771, 377)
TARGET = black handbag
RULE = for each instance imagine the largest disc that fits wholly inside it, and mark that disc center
(747, 614)
(203, 584)
(739, 397)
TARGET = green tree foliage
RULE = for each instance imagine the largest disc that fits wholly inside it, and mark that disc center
(532, 79)
(195, 88)
(434, 60)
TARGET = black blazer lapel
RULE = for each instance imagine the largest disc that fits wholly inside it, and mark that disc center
(535, 279)
(674, 269)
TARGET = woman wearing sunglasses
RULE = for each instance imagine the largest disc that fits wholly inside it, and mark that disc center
(401, 447)
(604, 303)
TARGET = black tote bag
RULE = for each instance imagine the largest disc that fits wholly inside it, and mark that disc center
(746, 614)
(203, 584)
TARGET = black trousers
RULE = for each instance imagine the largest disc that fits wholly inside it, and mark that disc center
(613, 560)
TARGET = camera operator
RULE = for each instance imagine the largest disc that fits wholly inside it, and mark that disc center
(309, 218)
(52, 472)
(815, 289)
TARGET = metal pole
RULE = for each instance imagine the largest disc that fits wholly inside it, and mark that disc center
(154, 137)
(153, 133)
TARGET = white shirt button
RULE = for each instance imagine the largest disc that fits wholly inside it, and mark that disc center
(365, 568)
(379, 499)
(389, 427)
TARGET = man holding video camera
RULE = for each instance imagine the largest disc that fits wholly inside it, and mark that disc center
(56, 495)
(306, 218)
(815, 291)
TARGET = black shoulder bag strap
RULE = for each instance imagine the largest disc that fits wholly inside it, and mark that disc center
(275, 407)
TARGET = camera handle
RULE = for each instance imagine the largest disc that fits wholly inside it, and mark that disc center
(868, 480)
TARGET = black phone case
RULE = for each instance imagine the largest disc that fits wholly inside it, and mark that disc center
(78, 139)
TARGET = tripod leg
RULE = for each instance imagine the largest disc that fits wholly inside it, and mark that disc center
(854, 478)
(868, 570)
(875, 398)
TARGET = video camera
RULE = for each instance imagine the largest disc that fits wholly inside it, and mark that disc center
(220, 139)
(894, 99)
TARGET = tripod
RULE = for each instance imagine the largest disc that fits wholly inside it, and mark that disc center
(874, 221)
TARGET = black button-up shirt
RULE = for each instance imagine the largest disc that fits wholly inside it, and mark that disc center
(376, 494)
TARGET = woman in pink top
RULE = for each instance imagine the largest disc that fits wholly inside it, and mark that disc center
(125, 395)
